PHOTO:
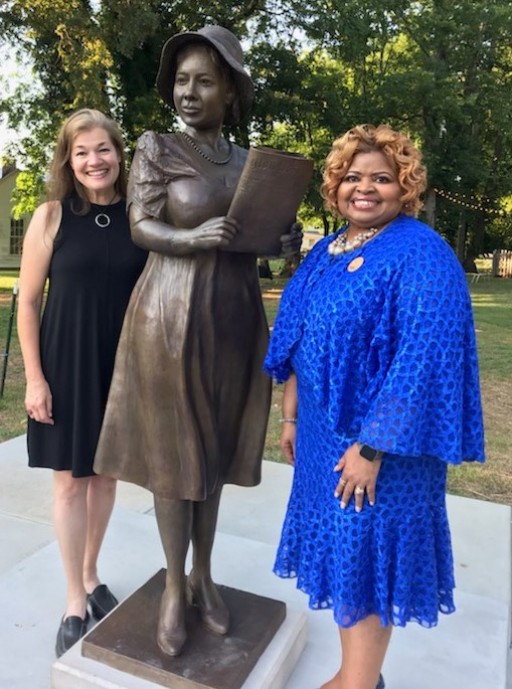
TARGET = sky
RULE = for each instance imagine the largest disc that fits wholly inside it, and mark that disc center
(5, 135)
(6, 81)
(9, 78)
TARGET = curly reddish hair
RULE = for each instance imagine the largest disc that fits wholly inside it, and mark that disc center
(400, 152)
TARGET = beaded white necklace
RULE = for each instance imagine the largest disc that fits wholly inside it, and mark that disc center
(342, 245)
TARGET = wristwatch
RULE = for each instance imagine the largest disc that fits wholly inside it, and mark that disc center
(369, 453)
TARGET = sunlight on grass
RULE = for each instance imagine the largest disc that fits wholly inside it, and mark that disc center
(8, 281)
(488, 301)
(492, 300)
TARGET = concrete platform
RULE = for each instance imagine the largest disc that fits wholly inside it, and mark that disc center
(208, 661)
(194, 669)
(468, 649)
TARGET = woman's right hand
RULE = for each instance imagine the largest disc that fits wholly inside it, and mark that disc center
(38, 401)
(212, 234)
(287, 442)
(156, 235)
(289, 420)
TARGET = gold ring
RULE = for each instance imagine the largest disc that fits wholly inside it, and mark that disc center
(359, 490)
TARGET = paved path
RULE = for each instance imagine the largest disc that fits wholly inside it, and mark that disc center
(468, 649)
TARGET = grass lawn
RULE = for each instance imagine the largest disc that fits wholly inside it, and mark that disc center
(492, 300)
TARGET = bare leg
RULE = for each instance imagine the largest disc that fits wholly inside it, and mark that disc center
(363, 648)
(70, 520)
(201, 588)
(101, 494)
(174, 519)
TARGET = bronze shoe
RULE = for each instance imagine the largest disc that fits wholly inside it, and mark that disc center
(171, 633)
(214, 613)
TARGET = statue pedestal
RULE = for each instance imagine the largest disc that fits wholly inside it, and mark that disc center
(259, 652)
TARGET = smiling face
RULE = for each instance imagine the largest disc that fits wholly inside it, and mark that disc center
(369, 193)
(95, 162)
(201, 92)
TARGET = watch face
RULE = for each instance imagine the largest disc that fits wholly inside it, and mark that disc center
(368, 452)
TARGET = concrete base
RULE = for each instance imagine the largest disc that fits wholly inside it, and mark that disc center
(272, 670)
(126, 639)
(469, 649)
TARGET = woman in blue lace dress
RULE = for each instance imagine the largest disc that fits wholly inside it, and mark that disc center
(376, 342)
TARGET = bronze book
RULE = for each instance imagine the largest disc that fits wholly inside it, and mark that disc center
(271, 188)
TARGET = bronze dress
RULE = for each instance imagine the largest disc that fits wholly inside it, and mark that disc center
(189, 402)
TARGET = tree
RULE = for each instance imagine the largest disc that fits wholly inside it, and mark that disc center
(299, 98)
(82, 59)
(439, 69)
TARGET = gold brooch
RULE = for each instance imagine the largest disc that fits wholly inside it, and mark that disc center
(355, 264)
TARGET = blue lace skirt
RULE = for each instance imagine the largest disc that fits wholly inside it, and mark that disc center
(393, 560)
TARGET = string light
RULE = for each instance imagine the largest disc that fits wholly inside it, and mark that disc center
(469, 202)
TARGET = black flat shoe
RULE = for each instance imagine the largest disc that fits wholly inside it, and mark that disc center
(71, 630)
(101, 601)
(380, 684)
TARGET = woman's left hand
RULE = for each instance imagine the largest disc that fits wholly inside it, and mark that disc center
(359, 476)
(292, 241)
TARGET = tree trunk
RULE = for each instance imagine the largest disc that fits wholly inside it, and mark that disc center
(460, 248)
(326, 224)
(477, 240)
(430, 206)
(290, 266)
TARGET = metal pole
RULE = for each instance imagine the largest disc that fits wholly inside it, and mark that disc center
(9, 334)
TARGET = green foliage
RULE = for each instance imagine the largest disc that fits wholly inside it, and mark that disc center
(441, 71)
(29, 189)
(105, 58)
(437, 69)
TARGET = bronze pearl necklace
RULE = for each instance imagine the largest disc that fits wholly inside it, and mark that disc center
(190, 141)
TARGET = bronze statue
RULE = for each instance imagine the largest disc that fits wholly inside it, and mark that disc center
(189, 403)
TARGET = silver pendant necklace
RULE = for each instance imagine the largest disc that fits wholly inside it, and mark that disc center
(102, 219)
(190, 141)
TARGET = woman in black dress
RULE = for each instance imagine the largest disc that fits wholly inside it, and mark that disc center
(79, 240)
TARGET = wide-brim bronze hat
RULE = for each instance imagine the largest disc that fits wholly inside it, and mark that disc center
(228, 46)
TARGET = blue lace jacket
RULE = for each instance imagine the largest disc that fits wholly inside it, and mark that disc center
(388, 349)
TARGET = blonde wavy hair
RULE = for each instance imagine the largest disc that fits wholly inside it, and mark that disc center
(400, 152)
(62, 181)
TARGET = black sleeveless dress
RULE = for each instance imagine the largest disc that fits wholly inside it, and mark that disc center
(92, 273)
